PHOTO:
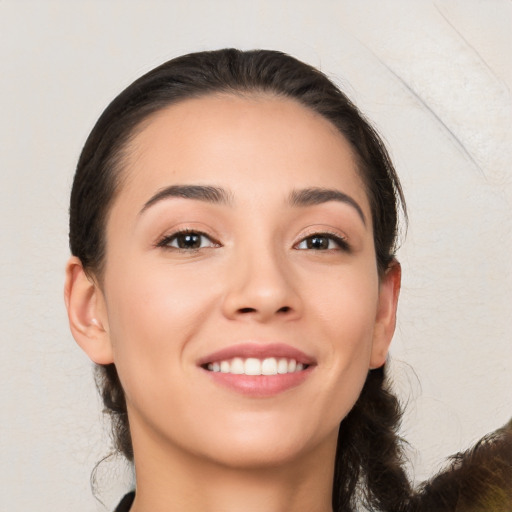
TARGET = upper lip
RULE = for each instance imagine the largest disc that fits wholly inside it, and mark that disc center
(259, 351)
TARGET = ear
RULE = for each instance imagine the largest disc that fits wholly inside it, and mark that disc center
(87, 313)
(385, 321)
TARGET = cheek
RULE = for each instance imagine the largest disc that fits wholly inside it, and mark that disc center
(346, 306)
(346, 320)
(155, 296)
(156, 313)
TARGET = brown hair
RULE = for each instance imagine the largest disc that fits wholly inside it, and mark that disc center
(477, 480)
(368, 459)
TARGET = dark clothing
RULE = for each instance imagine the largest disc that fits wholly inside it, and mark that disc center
(126, 503)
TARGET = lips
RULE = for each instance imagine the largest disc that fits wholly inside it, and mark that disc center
(258, 351)
(258, 370)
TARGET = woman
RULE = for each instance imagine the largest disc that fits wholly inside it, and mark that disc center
(233, 227)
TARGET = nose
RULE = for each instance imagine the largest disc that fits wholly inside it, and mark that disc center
(261, 286)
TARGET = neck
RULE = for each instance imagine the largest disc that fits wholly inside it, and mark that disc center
(169, 479)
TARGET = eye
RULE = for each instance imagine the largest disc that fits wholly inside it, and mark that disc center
(323, 242)
(187, 241)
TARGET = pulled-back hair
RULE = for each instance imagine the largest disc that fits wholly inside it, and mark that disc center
(368, 467)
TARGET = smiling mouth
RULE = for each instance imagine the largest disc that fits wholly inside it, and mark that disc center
(258, 370)
(254, 366)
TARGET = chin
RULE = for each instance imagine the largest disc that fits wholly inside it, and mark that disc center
(265, 447)
(257, 456)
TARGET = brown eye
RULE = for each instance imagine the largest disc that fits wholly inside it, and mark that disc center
(323, 242)
(318, 242)
(187, 240)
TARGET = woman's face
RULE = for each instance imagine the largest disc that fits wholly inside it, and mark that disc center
(241, 241)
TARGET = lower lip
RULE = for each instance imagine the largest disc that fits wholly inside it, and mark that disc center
(260, 386)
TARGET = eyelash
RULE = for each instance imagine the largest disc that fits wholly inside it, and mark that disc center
(341, 242)
(166, 240)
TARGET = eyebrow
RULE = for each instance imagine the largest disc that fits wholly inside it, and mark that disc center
(315, 195)
(217, 195)
(205, 193)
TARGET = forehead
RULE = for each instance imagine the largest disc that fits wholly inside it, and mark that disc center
(259, 143)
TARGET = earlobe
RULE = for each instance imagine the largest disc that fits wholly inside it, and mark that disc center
(87, 314)
(385, 321)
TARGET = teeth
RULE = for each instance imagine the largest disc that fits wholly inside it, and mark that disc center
(237, 366)
(269, 366)
(282, 365)
(254, 366)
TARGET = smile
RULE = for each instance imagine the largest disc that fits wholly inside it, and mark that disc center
(258, 370)
(254, 366)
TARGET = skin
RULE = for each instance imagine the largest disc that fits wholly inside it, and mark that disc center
(157, 310)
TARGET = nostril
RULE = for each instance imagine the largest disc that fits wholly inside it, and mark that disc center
(284, 309)
(247, 310)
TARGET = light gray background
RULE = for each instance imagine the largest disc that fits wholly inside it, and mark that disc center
(435, 78)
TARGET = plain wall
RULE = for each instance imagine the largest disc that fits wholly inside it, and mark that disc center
(435, 79)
